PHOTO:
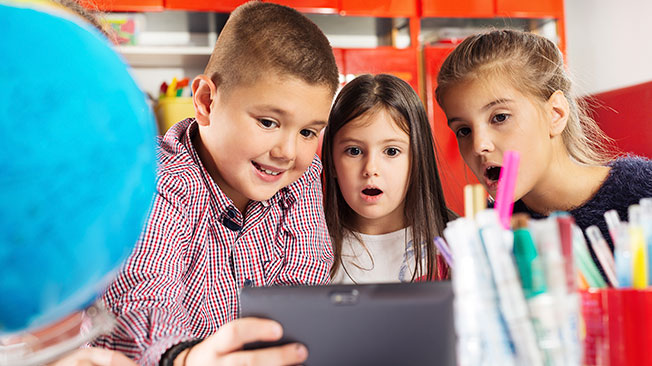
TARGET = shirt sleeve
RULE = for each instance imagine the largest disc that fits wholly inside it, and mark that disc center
(309, 254)
(146, 296)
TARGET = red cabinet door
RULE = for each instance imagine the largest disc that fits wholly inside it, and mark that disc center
(124, 5)
(310, 6)
(387, 60)
(339, 60)
(458, 8)
(453, 172)
(530, 9)
(222, 6)
(226, 6)
(625, 114)
(379, 8)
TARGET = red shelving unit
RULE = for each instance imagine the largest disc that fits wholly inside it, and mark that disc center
(398, 62)
(379, 8)
(453, 172)
(124, 5)
(459, 8)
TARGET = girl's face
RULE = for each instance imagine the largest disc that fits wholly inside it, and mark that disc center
(489, 118)
(371, 155)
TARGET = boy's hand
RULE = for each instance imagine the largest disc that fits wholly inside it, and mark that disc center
(95, 357)
(225, 346)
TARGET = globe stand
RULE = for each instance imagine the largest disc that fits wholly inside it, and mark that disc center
(51, 342)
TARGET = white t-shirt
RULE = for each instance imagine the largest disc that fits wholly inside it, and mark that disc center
(387, 258)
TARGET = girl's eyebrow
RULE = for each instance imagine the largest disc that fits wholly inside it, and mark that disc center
(487, 106)
(348, 140)
(497, 101)
(403, 141)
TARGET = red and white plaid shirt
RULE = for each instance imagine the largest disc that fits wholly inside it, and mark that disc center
(197, 251)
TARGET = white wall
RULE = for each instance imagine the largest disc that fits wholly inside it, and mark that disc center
(609, 43)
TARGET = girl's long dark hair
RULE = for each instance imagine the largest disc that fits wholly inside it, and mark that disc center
(425, 209)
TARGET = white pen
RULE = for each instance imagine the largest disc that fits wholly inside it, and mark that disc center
(613, 223)
(602, 251)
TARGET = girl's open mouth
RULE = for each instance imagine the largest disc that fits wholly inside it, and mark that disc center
(492, 173)
(371, 194)
(372, 191)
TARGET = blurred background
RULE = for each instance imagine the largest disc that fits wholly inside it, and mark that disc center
(607, 47)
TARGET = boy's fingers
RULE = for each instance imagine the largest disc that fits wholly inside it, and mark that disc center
(289, 354)
(234, 335)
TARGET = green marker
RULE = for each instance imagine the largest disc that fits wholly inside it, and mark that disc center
(533, 278)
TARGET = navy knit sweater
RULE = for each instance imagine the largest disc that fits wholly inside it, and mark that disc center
(629, 180)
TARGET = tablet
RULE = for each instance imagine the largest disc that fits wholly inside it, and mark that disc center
(379, 324)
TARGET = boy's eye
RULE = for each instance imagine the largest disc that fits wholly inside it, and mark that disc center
(392, 151)
(500, 117)
(353, 151)
(308, 133)
(267, 123)
(463, 132)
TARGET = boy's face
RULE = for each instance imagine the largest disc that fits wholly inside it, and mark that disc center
(262, 137)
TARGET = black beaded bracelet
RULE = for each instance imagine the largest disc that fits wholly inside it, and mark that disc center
(171, 354)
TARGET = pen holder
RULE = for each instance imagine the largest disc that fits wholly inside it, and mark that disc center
(170, 110)
(618, 323)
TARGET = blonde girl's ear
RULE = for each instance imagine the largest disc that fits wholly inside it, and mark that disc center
(204, 91)
(559, 110)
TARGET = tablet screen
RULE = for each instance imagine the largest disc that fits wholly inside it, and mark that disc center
(375, 324)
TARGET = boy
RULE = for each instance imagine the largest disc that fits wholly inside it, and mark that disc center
(239, 199)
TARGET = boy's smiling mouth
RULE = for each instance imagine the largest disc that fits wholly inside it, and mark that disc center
(266, 169)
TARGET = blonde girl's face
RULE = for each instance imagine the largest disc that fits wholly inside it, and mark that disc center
(491, 117)
(371, 155)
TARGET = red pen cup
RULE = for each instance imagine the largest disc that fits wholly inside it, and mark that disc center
(595, 337)
(628, 323)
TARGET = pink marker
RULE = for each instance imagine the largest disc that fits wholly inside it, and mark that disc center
(506, 186)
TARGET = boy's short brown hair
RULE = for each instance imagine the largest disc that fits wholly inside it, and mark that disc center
(262, 37)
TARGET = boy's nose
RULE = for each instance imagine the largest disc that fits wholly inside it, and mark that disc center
(285, 149)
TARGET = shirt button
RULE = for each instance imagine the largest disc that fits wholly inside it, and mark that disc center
(231, 213)
(248, 283)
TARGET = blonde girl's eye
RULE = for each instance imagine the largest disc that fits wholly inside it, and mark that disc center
(353, 151)
(267, 123)
(392, 151)
(500, 117)
(462, 132)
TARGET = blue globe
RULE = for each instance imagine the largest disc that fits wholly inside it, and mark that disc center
(77, 172)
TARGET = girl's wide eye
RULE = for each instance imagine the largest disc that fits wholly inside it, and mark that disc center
(500, 117)
(392, 151)
(463, 132)
(267, 123)
(353, 151)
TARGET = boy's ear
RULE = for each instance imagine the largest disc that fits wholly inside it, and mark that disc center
(560, 110)
(204, 91)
